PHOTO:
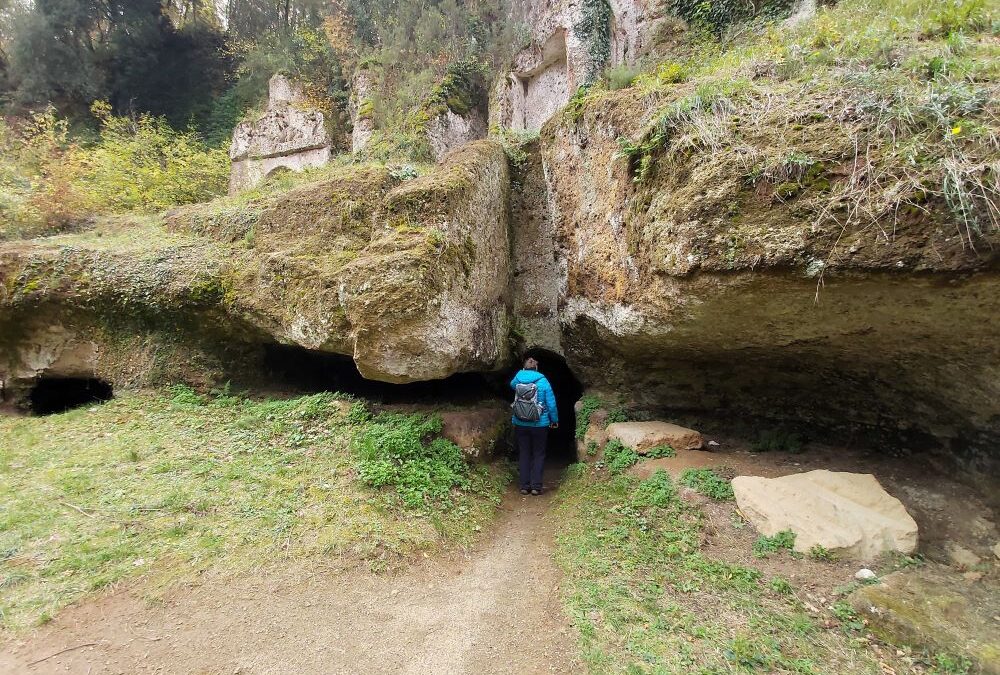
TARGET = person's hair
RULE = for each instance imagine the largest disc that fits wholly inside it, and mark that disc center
(531, 363)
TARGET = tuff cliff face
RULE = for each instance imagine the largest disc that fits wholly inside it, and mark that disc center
(410, 279)
(720, 248)
(706, 281)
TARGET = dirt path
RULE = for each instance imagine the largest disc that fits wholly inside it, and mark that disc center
(493, 610)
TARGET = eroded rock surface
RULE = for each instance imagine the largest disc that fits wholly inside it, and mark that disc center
(478, 430)
(289, 135)
(848, 514)
(561, 57)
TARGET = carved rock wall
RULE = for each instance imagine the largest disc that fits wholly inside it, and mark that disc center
(545, 74)
(288, 135)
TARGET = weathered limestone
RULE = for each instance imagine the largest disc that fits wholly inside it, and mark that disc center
(408, 278)
(688, 291)
(289, 135)
(846, 513)
(537, 281)
(933, 608)
(643, 436)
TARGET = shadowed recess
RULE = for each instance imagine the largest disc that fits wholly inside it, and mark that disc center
(59, 394)
(568, 390)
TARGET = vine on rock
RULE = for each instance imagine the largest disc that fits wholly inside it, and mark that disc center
(595, 30)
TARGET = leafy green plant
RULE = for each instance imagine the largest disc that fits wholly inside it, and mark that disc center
(820, 552)
(848, 618)
(592, 449)
(949, 664)
(657, 490)
(765, 546)
(708, 483)
(402, 452)
(594, 30)
(618, 458)
(588, 406)
(182, 394)
(660, 451)
(780, 585)
(577, 103)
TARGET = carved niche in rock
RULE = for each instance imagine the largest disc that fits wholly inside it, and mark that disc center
(289, 135)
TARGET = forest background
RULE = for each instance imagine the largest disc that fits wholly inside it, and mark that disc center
(114, 106)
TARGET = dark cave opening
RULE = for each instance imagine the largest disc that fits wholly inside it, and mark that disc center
(52, 395)
(568, 390)
(304, 370)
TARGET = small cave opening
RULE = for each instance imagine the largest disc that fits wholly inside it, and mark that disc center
(300, 370)
(568, 390)
(52, 395)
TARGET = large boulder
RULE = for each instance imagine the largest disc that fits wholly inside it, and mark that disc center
(934, 609)
(643, 436)
(848, 514)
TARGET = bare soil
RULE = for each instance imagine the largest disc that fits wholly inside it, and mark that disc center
(492, 609)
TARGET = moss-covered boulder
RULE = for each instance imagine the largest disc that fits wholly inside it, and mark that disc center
(408, 278)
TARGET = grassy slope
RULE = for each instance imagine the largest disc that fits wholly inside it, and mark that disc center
(646, 599)
(168, 484)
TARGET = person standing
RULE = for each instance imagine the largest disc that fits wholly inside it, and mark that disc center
(535, 413)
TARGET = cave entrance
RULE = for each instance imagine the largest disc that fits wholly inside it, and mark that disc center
(568, 390)
(296, 369)
(52, 395)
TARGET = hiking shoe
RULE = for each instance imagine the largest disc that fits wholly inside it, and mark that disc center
(524, 492)
(536, 492)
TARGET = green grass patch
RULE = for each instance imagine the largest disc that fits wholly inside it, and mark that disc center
(708, 483)
(645, 598)
(166, 484)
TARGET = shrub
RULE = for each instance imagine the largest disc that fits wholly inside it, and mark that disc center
(820, 552)
(48, 182)
(402, 452)
(620, 77)
(141, 164)
(708, 483)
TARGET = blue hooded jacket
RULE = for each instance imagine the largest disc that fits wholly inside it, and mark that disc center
(550, 414)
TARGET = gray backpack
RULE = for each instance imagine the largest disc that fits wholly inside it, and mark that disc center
(526, 406)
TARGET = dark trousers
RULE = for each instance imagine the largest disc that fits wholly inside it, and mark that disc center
(531, 443)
